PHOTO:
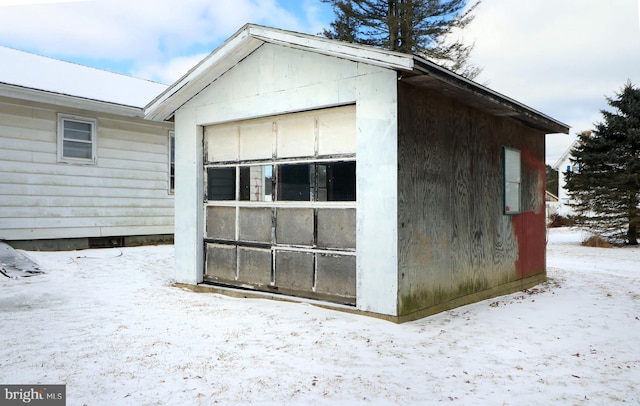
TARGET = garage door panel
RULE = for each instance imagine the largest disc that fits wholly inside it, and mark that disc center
(254, 265)
(221, 143)
(336, 275)
(255, 224)
(337, 228)
(296, 136)
(294, 270)
(221, 261)
(256, 140)
(221, 222)
(337, 131)
(294, 226)
(280, 203)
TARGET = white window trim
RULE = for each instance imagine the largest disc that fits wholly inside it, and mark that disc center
(172, 139)
(94, 139)
(512, 159)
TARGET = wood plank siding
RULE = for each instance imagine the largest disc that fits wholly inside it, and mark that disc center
(454, 238)
(125, 193)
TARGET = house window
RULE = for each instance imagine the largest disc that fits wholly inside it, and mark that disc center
(172, 161)
(512, 181)
(76, 139)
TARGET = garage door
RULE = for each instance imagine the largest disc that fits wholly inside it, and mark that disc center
(280, 204)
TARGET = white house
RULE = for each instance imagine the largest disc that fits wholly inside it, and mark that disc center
(328, 170)
(79, 164)
(564, 165)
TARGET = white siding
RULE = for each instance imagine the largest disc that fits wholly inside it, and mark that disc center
(125, 193)
(189, 230)
(377, 191)
(563, 164)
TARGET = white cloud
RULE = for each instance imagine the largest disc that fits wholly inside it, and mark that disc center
(170, 71)
(137, 32)
(29, 2)
(561, 58)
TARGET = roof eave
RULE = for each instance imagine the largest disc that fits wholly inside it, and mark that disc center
(489, 100)
(248, 39)
(69, 101)
(417, 69)
(566, 154)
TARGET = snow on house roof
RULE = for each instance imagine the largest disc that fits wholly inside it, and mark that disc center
(30, 71)
(415, 69)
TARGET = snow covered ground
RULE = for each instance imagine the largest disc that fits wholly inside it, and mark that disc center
(109, 324)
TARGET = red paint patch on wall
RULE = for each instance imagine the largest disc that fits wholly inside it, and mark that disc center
(531, 235)
(529, 227)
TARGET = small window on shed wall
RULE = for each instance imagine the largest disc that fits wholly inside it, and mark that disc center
(77, 139)
(512, 181)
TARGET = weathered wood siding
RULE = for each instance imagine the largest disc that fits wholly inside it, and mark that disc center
(453, 238)
(125, 193)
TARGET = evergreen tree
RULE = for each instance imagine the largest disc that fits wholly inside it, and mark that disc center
(606, 187)
(410, 26)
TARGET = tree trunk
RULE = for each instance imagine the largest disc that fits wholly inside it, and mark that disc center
(632, 234)
(405, 16)
(392, 23)
(632, 231)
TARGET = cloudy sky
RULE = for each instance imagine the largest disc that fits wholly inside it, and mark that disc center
(561, 57)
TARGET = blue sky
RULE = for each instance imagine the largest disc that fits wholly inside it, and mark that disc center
(561, 58)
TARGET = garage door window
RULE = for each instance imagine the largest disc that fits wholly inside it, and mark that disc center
(221, 183)
(301, 182)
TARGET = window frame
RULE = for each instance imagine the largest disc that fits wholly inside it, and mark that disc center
(276, 181)
(172, 162)
(512, 158)
(62, 118)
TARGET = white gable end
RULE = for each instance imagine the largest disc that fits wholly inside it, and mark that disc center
(275, 80)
